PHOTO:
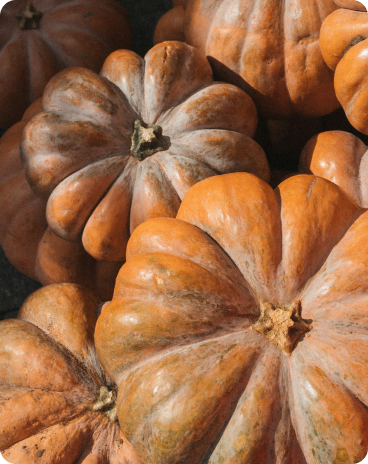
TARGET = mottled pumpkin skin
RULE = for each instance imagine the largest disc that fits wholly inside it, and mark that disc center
(344, 43)
(50, 381)
(27, 241)
(77, 152)
(70, 33)
(269, 48)
(196, 383)
(340, 157)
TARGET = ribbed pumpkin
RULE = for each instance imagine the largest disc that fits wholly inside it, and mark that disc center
(238, 331)
(57, 406)
(38, 38)
(340, 157)
(111, 151)
(269, 48)
(344, 47)
(29, 245)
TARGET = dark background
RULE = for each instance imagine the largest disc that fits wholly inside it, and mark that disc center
(144, 14)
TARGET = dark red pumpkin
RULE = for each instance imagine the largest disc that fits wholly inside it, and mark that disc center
(38, 38)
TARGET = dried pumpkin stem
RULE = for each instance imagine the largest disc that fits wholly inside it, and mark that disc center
(283, 325)
(29, 18)
(106, 403)
(146, 140)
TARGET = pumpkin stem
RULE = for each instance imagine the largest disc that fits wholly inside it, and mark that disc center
(283, 325)
(29, 18)
(107, 403)
(146, 140)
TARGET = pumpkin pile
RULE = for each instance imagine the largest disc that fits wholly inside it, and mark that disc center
(198, 306)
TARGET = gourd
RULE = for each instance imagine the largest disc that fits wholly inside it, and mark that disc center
(268, 48)
(28, 243)
(57, 404)
(38, 38)
(237, 332)
(111, 151)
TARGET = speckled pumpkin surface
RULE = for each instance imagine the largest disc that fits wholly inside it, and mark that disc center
(38, 38)
(269, 48)
(57, 406)
(238, 331)
(24, 235)
(340, 157)
(344, 46)
(112, 151)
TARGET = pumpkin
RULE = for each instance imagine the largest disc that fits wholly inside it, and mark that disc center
(237, 332)
(340, 157)
(29, 245)
(344, 43)
(270, 49)
(57, 404)
(38, 38)
(111, 151)
(171, 25)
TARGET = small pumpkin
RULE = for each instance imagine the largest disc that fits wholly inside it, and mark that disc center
(111, 151)
(57, 404)
(343, 40)
(29, 245)
(340, 157)
(171, 25)
(269, 49)
(38, 38)
(238, 331)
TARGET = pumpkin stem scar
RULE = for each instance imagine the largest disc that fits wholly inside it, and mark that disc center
(107, 403)
(146, 140)
(29, 18)
(282, 325)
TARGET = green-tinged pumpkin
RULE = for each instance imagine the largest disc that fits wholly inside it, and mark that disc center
(114, 150)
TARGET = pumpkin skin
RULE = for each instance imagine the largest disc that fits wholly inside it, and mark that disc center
(28, 243)
(77, 153)
(69, 33)
(50, 383)
(340, 157)
(270, 49)
(196, 382)
(170, 26)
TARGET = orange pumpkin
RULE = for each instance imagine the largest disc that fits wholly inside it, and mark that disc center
(344, 43)
(340, 157)
(269, 48)
(171, 25)
(238, 331)
(29, 245)
(56, 403)
(111, 151)
(38, 38)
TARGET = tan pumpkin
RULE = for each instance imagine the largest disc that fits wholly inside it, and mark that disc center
(340, 157)
(268, 48)
(38, 38)
(29, 245)
(238, 331)
(57, 406)
(111, 151)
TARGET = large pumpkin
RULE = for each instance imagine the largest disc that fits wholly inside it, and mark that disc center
(238, 331)
(344, 47)
(38, 38)
(340, 157)
(269, 48)
(28, 243)
(57, 406)
(111, 151)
